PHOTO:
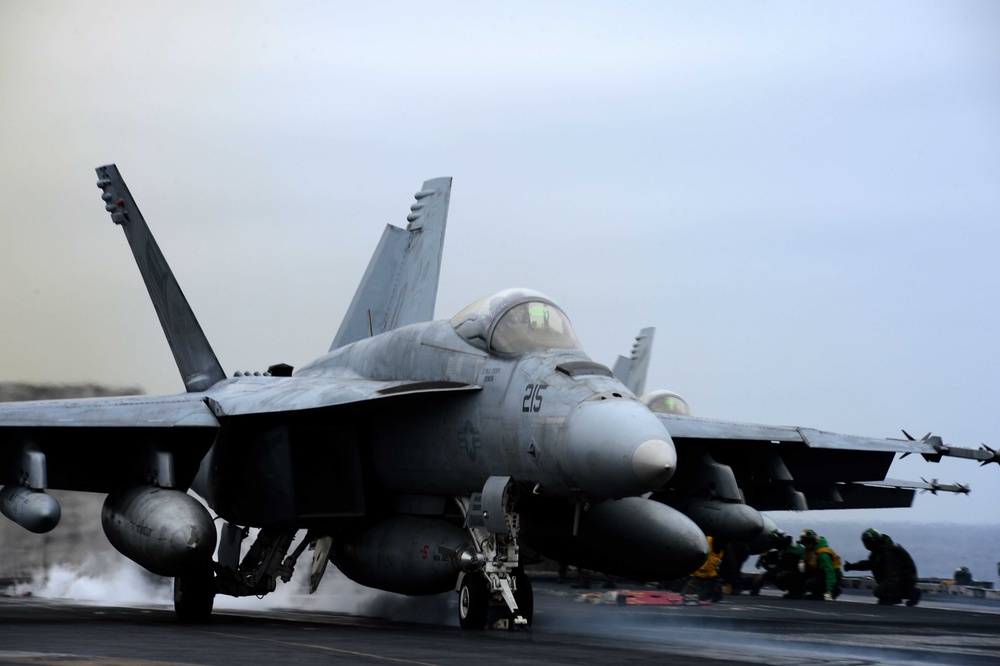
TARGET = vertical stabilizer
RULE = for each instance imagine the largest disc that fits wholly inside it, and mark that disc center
(631, 371)
(195, 359)
(400, 285)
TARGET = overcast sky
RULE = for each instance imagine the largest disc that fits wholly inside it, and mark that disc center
(803, 198)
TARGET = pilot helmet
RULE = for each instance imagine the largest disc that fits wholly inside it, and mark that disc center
(870, 538)
(808, 538)
(538, 315)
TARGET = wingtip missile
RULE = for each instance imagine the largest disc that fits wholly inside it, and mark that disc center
(994, 456)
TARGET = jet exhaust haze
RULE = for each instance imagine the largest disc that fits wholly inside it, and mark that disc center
(111, 579)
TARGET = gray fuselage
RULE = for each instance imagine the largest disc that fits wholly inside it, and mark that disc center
(552, 418)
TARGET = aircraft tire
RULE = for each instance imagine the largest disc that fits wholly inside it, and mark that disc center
(473, 601)
(194, 595)
(524, 596)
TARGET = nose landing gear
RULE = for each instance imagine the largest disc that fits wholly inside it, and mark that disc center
(499, 595)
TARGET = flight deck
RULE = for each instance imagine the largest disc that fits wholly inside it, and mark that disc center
(742, 630)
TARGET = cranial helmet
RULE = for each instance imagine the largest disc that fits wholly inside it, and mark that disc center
(808, 538)
(778, 538)
(870, 538)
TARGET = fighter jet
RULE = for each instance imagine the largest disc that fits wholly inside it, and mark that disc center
(727, 472)
(415, 455)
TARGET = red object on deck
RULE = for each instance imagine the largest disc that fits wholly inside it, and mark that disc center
(651, 598)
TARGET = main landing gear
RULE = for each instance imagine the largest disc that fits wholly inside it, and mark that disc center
(194, 595)
(258, 573)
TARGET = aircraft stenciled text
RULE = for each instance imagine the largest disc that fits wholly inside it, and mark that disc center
(532, 401)
(489, 374)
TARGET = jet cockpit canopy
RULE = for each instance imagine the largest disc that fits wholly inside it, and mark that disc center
(515, 321)
(666, 402)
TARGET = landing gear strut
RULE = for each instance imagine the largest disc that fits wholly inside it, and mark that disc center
(524, 595)
(502, 584)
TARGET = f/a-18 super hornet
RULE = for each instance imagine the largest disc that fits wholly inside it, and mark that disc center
(727, 472)
(415, 455)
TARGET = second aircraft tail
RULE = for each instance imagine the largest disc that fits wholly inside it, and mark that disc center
(631, 371)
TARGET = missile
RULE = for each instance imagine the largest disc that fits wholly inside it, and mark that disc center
(406, 555)
(632, 537)
(31, 509)
(166, 531)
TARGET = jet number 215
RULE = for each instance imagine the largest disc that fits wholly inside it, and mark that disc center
(533, 397)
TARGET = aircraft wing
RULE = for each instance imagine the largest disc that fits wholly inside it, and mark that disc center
(100, 444)
(792, 468)
(697, 428)
(140, 411)
(280, 395)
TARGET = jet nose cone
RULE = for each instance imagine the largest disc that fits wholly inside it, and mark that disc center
(654, 462)
(616, 448)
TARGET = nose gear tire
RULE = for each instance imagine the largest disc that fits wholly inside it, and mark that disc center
(473, 602)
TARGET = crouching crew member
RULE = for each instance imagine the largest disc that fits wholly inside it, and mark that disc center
(705, 583)
(892, 568)
(821, 567)
(781, 565)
